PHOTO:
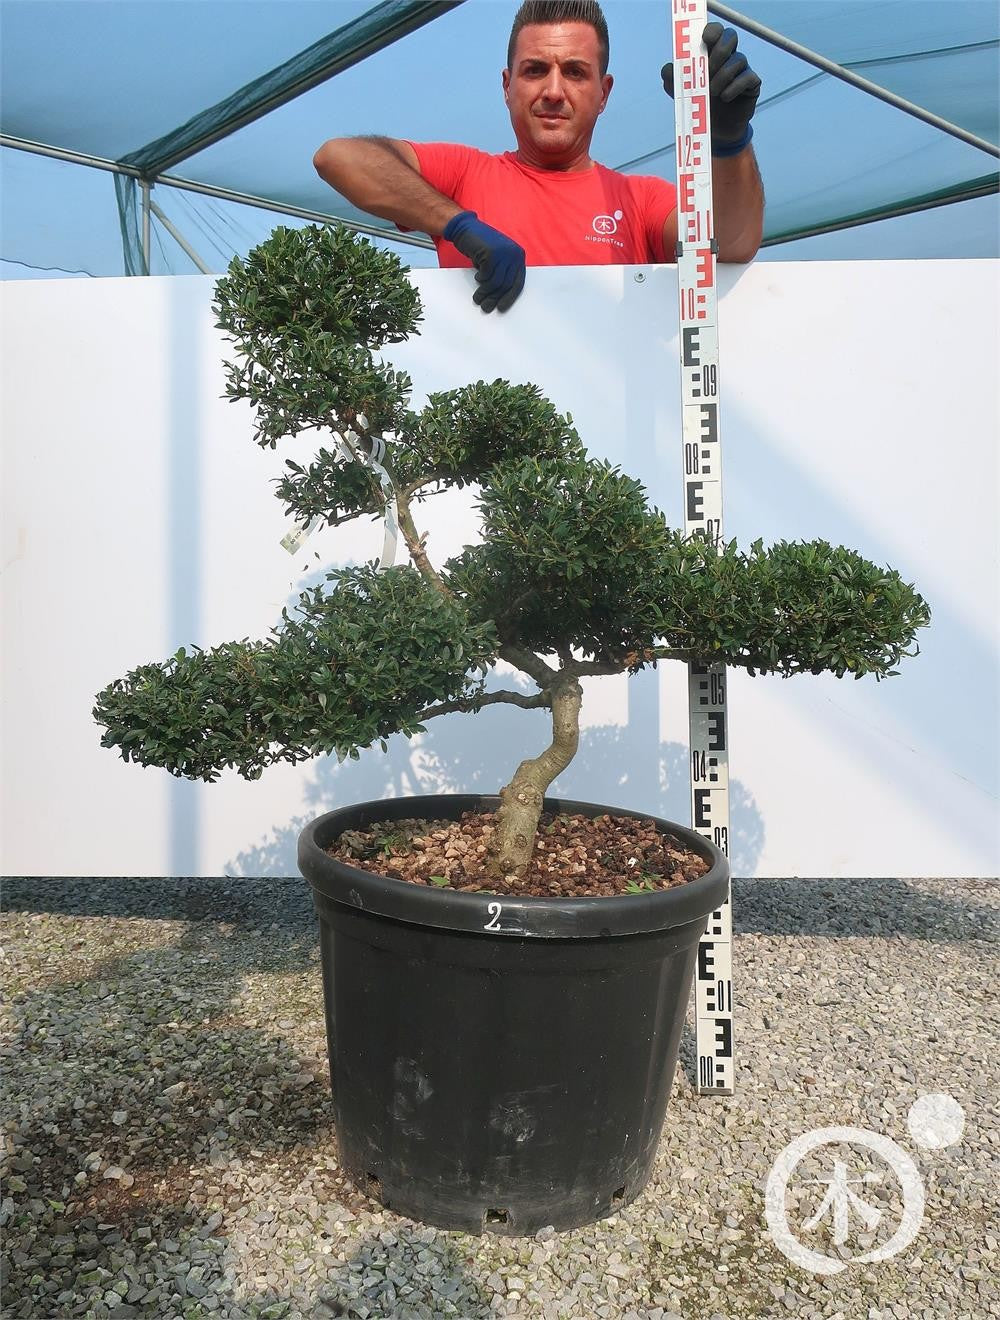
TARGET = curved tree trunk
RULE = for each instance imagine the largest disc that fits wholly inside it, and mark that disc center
(521, 801)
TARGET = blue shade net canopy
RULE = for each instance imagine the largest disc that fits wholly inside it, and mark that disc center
(165, 136)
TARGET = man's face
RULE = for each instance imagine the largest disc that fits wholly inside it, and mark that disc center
(555, 92)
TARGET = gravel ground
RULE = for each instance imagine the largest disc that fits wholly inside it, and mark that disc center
(170, 1152)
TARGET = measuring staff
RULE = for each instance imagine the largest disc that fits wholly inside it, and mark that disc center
(715, 96)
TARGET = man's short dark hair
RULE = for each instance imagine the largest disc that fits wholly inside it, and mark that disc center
(534, 12)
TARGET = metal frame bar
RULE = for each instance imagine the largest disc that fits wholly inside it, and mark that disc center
(414, 240)
(854, 79)
(73, 157)
(178, 238)
(984, 189)
(146, 202)
(209, 190)
(300, 212)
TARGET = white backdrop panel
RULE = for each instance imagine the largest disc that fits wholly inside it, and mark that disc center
(859, 405)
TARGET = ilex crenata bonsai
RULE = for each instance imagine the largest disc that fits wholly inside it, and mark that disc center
(575, 574)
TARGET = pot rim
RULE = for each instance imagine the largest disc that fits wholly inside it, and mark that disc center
(491, 915)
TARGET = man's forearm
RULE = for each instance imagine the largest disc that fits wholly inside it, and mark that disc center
(372, 175)
(738, 206)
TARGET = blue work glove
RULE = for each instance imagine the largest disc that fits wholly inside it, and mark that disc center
(498, 260)
(733, 88)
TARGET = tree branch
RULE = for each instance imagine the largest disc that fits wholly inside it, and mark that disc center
(528, 663)
(473, 704)
(406, 524)
(416, 547)
(629, 661)
(586, 668)
(419, 487)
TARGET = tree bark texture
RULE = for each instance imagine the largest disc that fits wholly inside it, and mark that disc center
(521, 800)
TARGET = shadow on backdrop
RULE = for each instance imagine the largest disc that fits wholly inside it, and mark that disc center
(949, 725)
(456, 757)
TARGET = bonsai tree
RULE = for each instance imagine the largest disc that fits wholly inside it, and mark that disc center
(575, 574)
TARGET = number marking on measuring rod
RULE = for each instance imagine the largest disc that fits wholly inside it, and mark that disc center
(699, 364)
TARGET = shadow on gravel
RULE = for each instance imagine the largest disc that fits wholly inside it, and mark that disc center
(828, 908)
(142, 1108)
(252, 905)
(687, 1060)
(142, 1117)
(883, 908)
(404, 1273)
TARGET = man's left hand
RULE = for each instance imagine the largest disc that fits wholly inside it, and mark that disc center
(733, 89)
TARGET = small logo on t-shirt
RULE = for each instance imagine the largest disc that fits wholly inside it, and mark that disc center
(606, 224)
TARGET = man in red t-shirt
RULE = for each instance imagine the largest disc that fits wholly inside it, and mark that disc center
(548, 202)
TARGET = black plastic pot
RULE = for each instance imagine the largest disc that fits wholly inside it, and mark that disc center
(500, 1064)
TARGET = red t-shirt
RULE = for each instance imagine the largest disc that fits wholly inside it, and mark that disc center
(594, 217)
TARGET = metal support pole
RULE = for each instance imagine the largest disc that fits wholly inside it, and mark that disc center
(179, 238)
(145, 225)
